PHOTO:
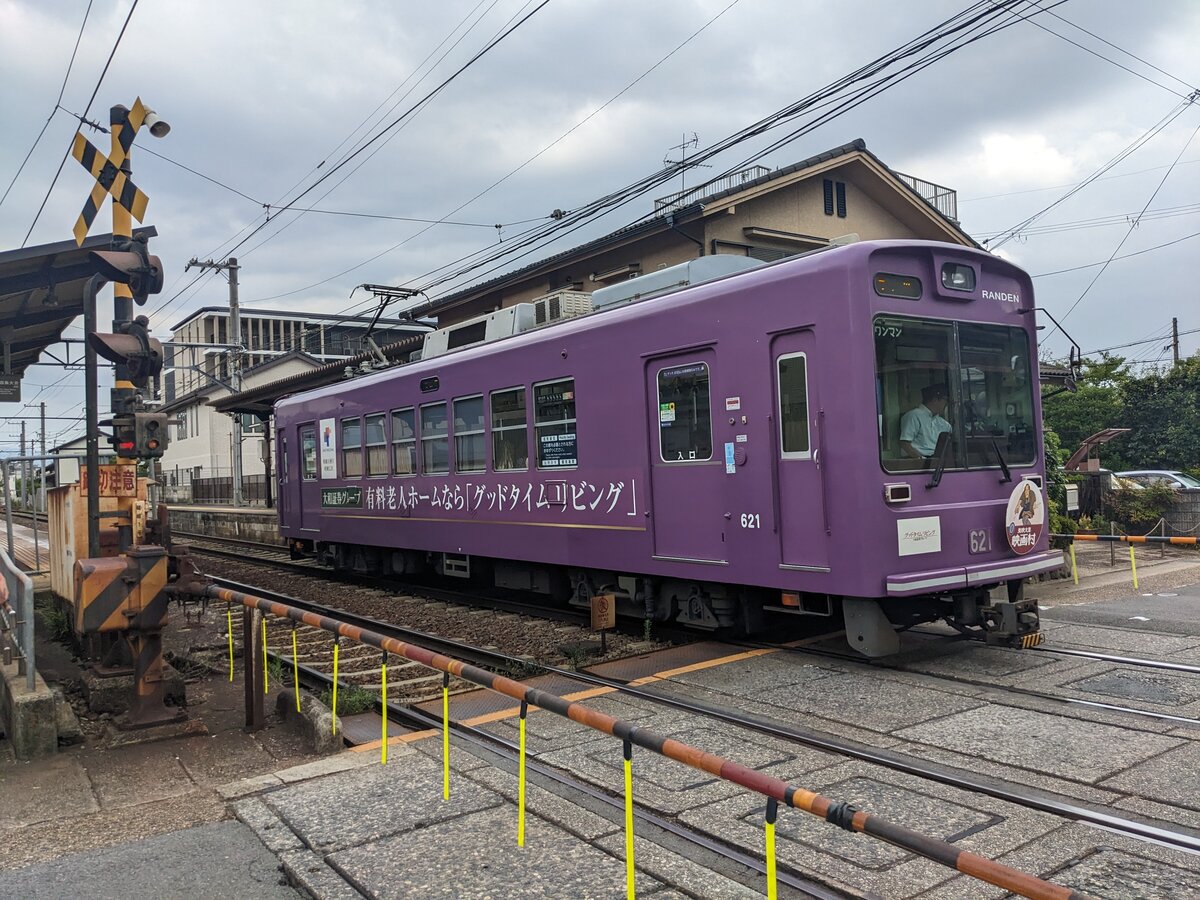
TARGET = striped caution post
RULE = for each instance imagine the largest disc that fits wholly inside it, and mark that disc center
(772, 812)
(1133, 566)
(630, 891)
(266, 679)
(383, 712)
(335, 682)
(295, 669)
(521, 778)
(445, 735)
(229, 628)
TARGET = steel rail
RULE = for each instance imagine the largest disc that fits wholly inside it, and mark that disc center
(506, 749)
(1123, 660)
(835, 812)
(841, 746)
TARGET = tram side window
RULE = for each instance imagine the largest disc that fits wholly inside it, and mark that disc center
(684, 413)
(435, 440)
(404, 442)
(308, 453)
(793, 406)
(554, 424)
(510, 432)
(352, 466)
(281, 442)
(469, 446)
(377, 455)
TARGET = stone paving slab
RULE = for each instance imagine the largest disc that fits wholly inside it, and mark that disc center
(431, 863)
(218, 860)
(862, 863)
(1171, 778)
(1102, 638)
(46, 789)
(679, 871)
(879, 704)
(671, 787)
(369, 803)
(753, 706)
(1069, 748)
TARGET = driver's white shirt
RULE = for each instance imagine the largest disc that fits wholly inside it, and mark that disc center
(920, 427)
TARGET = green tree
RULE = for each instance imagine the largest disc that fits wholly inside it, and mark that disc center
(1097, 404)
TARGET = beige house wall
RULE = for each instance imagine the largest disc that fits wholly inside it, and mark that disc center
(878, 207)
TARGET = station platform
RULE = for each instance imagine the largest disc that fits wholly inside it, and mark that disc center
(242, 522)
(27, 554)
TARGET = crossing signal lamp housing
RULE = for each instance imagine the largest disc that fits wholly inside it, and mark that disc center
(150, 434)
(141, 354)
(124, 437)
(133, 265)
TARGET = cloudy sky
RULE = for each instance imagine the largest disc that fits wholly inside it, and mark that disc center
(582, 99)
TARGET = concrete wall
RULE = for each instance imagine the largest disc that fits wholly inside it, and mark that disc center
(262, 526)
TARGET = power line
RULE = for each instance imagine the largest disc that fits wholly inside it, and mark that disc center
(57, 107)
(1147, 136)
(86, 110)
(1186, 237)
(1132, 226)
(1055, 187)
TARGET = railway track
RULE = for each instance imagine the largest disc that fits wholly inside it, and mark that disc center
(1040, 800)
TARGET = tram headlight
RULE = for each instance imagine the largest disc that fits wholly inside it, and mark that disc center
(958, 277)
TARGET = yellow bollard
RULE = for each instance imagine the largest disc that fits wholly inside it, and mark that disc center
(521, 779)
(266, 685)
(229, 626)
(772, 812)
(1074, 568)
(1133, 566)
(383, 694)
(335, 664)
(630, 891)
(445, 735)
(295, 669)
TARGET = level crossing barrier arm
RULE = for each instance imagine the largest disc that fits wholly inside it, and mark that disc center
(834, 812)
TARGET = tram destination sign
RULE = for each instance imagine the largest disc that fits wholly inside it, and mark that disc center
(10, 388)
(342, 498)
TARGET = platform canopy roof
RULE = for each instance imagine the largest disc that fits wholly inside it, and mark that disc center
(41, 292)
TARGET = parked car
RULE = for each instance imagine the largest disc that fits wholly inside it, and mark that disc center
(1147, 477)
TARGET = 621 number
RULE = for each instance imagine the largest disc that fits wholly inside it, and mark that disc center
(751, 520)
(980, 540)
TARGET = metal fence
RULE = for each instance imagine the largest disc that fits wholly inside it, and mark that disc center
(16, 618)
(212, 485)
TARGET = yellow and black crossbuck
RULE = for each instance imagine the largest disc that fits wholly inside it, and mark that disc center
(107, 172)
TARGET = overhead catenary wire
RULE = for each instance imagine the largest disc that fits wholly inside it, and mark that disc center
(86, 110)
(490, 45)
(57, 106)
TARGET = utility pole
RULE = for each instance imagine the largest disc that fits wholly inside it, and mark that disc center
(43, 416)
(24, 494)
(235, 374)
(1175, 339)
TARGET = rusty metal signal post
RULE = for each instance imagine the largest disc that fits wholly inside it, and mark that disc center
(120, 595)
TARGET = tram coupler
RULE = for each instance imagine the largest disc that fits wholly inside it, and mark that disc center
(1010, 623)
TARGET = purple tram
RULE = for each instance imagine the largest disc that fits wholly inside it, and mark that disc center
(852, 433)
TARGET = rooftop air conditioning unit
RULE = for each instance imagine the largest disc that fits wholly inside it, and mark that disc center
(561, 305)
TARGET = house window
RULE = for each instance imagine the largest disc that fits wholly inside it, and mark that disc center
(469, 446)
(377, 452)
(352, 466)
(404, 442)
(830, 190)
(510, 432)
(435, 441)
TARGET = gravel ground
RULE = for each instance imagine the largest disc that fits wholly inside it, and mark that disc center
(537, 640)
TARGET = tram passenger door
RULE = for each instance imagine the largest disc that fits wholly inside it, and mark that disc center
(283, 480)
(685, 474)
(310, 487)
(800, 466)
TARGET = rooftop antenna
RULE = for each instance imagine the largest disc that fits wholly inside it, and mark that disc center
(693, 141)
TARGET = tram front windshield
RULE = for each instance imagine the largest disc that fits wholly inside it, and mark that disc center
(969, 380)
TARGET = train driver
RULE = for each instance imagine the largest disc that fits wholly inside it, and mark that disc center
(921, 425)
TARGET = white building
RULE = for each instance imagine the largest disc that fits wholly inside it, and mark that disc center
(198, 463)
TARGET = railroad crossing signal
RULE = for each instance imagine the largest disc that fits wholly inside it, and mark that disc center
(107, 172)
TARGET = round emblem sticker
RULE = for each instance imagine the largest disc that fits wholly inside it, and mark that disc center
(1025, 518)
